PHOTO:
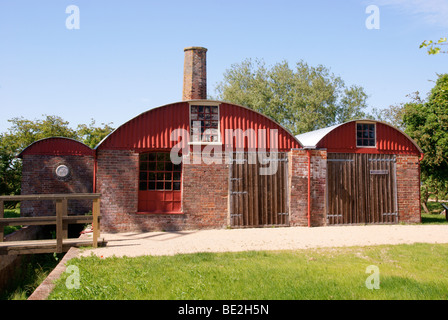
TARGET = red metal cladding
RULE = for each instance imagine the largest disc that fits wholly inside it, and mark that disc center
(389, 140)
(57, 146)
(153, 129)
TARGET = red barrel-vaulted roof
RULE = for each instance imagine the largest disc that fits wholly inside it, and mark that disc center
(152, 130)
(342, 139)
(57, 146)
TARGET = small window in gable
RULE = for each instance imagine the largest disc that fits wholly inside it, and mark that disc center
(204, 124)
(365, 135)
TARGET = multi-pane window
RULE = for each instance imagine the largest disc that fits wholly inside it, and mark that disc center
(204, 123)
(365, 134)
(157, 172)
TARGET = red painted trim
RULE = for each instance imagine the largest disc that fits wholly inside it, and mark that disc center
(308, 152)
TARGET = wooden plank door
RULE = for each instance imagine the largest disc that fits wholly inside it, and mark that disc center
(382, 190)
(361, 189)
(341, 204)
(258, 197)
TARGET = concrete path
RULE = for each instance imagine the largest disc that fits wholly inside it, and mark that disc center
(170, 243)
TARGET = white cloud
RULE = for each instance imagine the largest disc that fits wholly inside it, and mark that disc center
(432, 12)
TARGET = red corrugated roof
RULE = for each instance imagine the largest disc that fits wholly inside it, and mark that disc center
(342, 139)
(57, 146)
(152, 129)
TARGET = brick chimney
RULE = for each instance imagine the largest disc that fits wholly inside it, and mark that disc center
(195, 74)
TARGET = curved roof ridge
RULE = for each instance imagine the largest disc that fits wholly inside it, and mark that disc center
(49, 138)
(311, 139)
(191, 101)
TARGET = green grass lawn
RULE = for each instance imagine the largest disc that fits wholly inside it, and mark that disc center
(405, 271)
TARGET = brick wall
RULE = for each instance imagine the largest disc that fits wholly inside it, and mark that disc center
(298, 181)
(408, 189)
(38, 177)
(205, 192)
(204, 195)
(117, 181)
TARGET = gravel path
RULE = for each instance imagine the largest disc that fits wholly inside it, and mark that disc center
(169, 243)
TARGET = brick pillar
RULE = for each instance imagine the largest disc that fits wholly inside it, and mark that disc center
(408, 189)
(298, 193)
(195, 74)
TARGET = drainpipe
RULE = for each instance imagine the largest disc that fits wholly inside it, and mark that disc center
(421, 157)
(308, 152)
(95, 165)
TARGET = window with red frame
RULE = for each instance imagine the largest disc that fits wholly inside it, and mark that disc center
(157, 172)
(159, 183)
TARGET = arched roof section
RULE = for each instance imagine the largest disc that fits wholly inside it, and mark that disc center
(342, 138)
(153, 129)
(57, 146)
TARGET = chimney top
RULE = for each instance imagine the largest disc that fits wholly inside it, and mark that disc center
(195, 48)
(195, 74)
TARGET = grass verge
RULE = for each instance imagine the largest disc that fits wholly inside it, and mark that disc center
(405, 272)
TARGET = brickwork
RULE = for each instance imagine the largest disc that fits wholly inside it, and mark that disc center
(298, 181)
(408, 189)
(195, 74)
(204, 195)
(39, 177)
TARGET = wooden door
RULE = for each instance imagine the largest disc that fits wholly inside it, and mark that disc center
(361, 189)
(258, 195)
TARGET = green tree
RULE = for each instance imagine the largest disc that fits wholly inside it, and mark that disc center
(427, 123)
(302, 99)
(435, 47)
(92, 135)
(394, 113)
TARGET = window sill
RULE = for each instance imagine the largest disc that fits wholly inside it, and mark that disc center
(159, 212)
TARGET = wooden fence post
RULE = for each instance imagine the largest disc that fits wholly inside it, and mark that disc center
(95, 221)
(61, 211)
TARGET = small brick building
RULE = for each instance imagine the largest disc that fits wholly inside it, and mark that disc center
(201, 163)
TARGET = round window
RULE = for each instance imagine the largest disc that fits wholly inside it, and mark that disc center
(62, 171)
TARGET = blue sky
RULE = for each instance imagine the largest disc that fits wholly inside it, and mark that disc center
(127, 56)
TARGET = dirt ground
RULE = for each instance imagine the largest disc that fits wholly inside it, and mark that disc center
(170, 243)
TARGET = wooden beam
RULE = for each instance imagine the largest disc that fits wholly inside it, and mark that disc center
(44, 220)
(83, 196)
(42, 246)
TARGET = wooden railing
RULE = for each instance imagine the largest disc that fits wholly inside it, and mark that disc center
(61, 220)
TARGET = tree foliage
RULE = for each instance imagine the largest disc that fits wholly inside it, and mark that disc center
(394, 113)
(302, 99)
(427, 123)
(435, 47)
(92, 135)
